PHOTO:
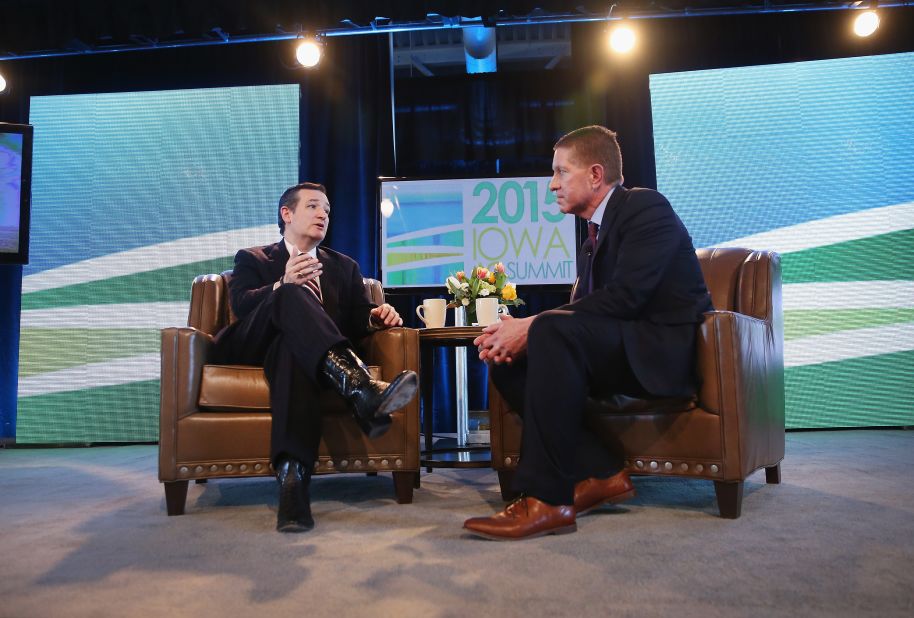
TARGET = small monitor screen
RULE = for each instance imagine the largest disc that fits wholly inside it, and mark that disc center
(15, 174)
(431, 229)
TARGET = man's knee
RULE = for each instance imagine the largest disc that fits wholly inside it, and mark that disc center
(293, 296)
(287, 291)
(549, 328)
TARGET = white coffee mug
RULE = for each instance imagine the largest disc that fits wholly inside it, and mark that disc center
(488, 310)
(431, 312)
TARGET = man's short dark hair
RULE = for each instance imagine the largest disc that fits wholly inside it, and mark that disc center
(289, 199)
(595, 144)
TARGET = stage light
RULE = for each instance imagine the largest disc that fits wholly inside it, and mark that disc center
(2, 84)
(866, 23)
(622, 39)
(308, 53)
(480, 49)
(387, 208)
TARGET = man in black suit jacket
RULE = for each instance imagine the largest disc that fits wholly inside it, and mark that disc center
(630, 329)
(299, 307)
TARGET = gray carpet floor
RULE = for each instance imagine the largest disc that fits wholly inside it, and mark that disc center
(83, 532)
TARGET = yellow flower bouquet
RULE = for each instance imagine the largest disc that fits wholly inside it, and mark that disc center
(482, 282)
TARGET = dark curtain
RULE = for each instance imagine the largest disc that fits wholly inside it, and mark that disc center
(346, 140)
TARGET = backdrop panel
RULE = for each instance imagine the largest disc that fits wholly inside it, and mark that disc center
(813, 160)
(136, 193)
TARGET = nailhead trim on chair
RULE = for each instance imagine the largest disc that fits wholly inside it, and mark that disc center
(220, 468)
(672, 467)
(323, 465)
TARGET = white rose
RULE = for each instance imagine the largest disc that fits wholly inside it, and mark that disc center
(483, 292)
(465, 301)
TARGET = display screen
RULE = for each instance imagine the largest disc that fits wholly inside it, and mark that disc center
(134, 195)
(15, 192)
(813, 160)
(431, 229)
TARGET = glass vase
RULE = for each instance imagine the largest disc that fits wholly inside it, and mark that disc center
(465, 316)
(460, 316)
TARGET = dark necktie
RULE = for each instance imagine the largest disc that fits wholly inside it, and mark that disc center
(585, 282)
(592, 230)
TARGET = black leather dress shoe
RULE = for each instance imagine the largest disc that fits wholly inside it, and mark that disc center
(294, 512)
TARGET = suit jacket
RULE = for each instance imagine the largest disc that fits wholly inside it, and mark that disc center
(646, 275)
(342, 288)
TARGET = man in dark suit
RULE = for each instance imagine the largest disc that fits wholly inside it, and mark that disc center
(630, 329)
(299, 307)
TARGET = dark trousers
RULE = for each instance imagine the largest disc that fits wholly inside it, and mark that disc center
(289, 334)
(570, 355)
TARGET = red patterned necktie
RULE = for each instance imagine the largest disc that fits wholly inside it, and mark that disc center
(315, 287)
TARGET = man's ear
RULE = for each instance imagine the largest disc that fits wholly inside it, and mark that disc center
(286, 214)
(596, 175)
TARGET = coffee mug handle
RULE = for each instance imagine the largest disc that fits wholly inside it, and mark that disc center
(420, 311)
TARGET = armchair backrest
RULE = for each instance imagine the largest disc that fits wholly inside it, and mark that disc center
(740, 354)
(742, 280)
(210, 309)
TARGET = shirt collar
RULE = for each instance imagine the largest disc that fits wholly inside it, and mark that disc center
(293, 250)
(598, 213)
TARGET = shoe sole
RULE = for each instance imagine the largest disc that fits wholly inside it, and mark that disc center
(628, 495)
(399, 393)
(493, 537)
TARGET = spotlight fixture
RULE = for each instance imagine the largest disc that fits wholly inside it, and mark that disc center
(308, 53)
(866, 23)
(2, 84)
(622, 39)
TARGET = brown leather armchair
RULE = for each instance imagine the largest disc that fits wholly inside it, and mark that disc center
(215, 419)
(734, 426)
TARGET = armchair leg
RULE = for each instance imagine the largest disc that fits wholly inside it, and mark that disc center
(505, 480)
(403, 486)
(175, 497)
(773, 474)
(729, 498)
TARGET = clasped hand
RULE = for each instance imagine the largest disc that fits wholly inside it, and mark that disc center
(301, 269)
(505, 341)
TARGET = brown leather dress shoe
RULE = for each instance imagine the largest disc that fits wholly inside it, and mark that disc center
(591, 493)
(525, 518)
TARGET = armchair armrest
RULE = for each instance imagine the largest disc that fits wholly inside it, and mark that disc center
(741, 363)
(396, 350)
(393, 349)
(184, 352)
